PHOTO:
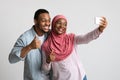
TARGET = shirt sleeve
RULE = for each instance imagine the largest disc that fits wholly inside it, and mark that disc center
(14, 55)
(84, 39)
(46, 67)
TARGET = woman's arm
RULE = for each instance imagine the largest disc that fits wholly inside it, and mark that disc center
(84, 39)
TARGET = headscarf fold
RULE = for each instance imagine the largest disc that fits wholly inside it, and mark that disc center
(61, 45)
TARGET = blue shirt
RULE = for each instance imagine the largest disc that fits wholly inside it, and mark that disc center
(32, 61)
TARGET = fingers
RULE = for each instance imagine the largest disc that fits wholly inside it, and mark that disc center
(35, 43)
(103, 22)
(36, 37)
(48, 60)
(52, 55)
(52, 52)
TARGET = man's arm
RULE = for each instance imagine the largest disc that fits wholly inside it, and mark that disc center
(33, 45)
(14, 55)
(20, 49)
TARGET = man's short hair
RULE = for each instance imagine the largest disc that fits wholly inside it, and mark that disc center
(38, 12)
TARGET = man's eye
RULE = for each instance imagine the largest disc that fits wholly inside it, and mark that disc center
(43, 20)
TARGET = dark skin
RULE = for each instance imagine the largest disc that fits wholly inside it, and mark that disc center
(60, 26)
(103, 24)
(41, 26)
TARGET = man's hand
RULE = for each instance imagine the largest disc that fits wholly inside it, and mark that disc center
(35, 43)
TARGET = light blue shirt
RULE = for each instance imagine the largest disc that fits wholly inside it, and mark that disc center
(32, 61)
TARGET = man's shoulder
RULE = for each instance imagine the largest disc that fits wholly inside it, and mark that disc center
(28, 33)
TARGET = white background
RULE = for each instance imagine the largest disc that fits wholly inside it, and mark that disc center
(101, 57)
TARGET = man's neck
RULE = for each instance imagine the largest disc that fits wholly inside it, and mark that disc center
(38, 31)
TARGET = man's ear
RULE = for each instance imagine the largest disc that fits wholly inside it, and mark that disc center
(35, 21)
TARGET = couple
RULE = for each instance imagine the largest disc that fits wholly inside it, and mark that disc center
(51, 54)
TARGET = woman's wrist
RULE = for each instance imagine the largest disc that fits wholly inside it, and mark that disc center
(101, 29)
(47, 61)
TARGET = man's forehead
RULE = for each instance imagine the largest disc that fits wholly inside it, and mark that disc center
(44, 16)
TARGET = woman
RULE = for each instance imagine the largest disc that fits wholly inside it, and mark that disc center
(59, 50)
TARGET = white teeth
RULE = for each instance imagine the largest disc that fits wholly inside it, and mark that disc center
(46, 27)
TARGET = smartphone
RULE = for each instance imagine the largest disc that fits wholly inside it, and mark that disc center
(98, 20)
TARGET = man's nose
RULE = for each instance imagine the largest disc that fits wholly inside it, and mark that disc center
(47, 23)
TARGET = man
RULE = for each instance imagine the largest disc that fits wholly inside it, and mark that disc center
(28, 47)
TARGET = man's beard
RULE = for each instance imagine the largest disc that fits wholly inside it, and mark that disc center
(41, 30)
